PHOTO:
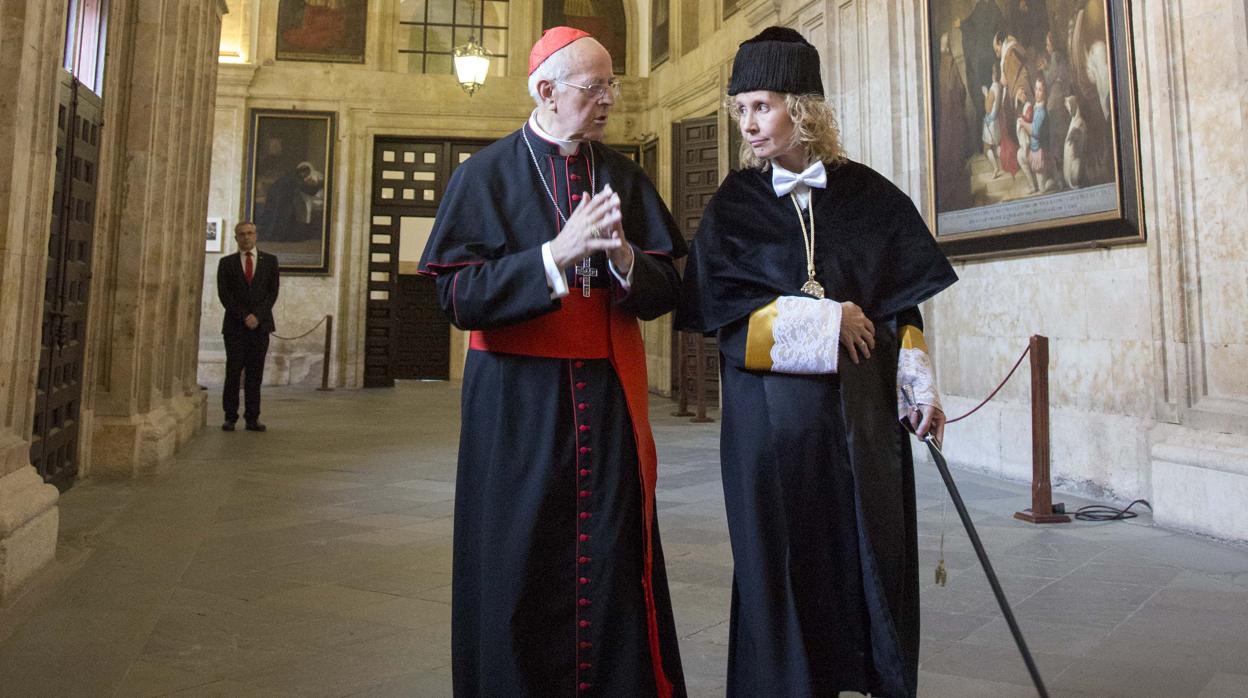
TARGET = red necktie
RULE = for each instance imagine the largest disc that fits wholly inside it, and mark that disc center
(248, 270)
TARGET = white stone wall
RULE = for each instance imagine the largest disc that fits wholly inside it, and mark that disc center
(1149, 390)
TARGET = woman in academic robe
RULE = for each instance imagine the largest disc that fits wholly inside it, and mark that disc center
(809, 267)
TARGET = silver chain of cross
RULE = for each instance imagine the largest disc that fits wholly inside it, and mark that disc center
(586, 269)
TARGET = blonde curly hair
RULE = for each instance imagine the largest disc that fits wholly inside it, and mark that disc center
(814, 129)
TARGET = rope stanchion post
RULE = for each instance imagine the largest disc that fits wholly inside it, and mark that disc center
(682, 379)
(329, 333)
(1041, 510)
(699, 382)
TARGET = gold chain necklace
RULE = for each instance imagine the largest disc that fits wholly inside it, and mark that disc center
(811, 287)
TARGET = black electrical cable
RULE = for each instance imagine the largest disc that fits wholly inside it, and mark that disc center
(1100, 512)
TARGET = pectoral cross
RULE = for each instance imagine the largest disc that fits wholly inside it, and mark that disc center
(587, 273)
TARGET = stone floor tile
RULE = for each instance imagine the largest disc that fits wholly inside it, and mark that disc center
(418, 683)
(231, 689)
(999, 663)
(325, 598)
(1132, 679)
(1226, 686)
(1085, 603)
(950, 627)
(935, 685)
(1099, 570)
(1046, 638)
(403, 612)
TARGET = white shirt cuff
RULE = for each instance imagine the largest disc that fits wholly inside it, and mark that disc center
(626, 282)
(555, 280)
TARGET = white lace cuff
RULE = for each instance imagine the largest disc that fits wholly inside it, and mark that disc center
(806, 334)
(914, 369)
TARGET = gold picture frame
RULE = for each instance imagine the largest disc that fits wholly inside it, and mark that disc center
(1052, 83)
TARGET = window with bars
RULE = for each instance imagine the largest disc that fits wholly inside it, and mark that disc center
(429, 31)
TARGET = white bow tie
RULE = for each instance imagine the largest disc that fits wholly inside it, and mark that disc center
(784, 181)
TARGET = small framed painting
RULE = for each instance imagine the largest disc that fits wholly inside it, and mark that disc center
(213, 235)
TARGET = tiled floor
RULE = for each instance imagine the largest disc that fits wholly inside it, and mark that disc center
(314, 560)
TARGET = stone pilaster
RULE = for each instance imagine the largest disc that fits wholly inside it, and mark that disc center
(31, 40)
(147, 401)
(1194, 200)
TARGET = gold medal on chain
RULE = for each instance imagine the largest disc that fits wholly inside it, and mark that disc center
(811, 287)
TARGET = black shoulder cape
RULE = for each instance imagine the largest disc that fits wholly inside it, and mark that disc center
(495, 205)
(872, 248)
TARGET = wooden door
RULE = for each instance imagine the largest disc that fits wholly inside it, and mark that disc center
(407, 335)
(695, 177)
(58, 401)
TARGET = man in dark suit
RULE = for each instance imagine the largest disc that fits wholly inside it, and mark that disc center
(247, 284)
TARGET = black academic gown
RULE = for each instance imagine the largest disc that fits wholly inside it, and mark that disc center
(818, 477)
(549, 540)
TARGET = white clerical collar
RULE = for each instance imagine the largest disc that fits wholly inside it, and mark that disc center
(566, 147)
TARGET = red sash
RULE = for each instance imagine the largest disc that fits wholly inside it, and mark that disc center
(592, 328)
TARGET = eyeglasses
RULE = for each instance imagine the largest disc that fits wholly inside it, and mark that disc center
(598, 90)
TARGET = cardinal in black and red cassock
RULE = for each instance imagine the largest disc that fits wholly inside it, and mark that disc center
(548, 247)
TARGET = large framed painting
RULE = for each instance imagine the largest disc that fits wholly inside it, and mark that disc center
(289, 188)
(1033, 135)
(602, 18)
(660, 32)
(331, 31)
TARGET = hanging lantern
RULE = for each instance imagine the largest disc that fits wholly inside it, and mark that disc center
(471, 63)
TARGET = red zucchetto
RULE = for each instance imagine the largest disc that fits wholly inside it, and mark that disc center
(552, 40)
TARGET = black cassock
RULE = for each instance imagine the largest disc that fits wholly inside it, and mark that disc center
(556, 469)
(818, 478)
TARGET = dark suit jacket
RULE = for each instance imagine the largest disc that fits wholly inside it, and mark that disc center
(241, 300)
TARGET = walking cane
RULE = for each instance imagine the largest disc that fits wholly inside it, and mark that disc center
(933, 445)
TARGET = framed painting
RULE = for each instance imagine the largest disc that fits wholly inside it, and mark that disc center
(213, 235)
(1032, 128)
(289, 186)
(660, 35)
(602, 18)
(329, 31)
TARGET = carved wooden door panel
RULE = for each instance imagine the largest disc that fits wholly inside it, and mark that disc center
(58, 401)
(695, 177)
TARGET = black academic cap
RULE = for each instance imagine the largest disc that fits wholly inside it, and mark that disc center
(778, 59)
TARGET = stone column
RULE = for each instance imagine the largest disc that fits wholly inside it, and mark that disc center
(206, 62)
(147, 401)
(31, 47)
